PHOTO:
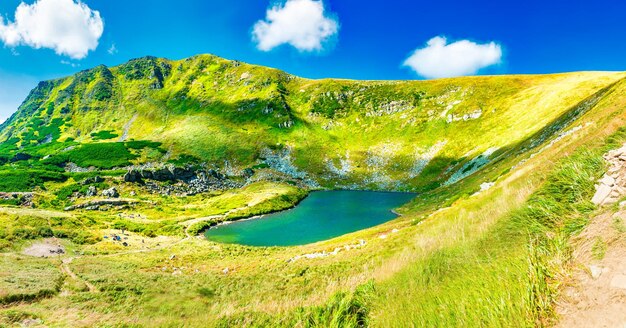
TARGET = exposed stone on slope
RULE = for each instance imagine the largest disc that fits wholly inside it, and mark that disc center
(184, 180)
(465, 117)
(23, 198)
(91, 191)
(472, 166)
(92, 180)
(110, 193)
(612, 186)
(344, 168)
(281, 161)
(423, 158)
(101, 204)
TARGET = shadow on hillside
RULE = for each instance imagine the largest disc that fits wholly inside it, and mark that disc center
(439, 195)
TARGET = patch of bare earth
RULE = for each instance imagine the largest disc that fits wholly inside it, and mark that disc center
(595, 294)
(47, 248)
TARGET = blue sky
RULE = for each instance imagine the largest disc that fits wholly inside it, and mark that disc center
(336, 38)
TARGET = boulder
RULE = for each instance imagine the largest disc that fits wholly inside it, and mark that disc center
(163, 174)
(110, 193)
(602, 192)
(91, 191)
(133, 176)
(184, 174)
(215, 174)
(92, 180)
(96, 204)
(608, 180)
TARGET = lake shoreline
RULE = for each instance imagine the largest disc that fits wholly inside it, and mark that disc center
(321, 215)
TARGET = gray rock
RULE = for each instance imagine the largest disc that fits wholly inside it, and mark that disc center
(95, 205)
(92, 180)
(595, 271)
(91, 191)
(110, 193)
(163, 174)
(133, 176)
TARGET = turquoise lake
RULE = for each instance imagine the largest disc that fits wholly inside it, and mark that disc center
(321, 215)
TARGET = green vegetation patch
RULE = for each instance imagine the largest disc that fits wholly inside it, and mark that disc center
(101, 155)
(104, 135)
(12, 180)
(104, 155)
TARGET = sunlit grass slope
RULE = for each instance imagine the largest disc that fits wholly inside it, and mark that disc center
(391, 135)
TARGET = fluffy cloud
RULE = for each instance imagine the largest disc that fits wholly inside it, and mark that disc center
(302, 24)
(69, 28)
(442, 59)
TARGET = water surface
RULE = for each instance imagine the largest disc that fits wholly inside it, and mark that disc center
(321, 215)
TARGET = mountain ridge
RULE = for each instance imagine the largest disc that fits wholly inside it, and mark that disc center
(390, 135)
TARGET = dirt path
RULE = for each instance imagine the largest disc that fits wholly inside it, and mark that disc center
(65, 268)
(596, 294)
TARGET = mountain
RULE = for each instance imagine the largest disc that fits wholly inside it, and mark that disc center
(109, 177)
(389, 135)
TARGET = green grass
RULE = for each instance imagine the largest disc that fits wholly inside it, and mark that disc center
(35, 279)
(105, 155)
(513, 270)
(104, 135)
(12, 180)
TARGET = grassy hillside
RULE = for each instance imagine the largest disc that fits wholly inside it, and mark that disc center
(393, 135)
(504, 167)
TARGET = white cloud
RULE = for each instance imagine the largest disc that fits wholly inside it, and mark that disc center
(112, 50)
(302, 24)
(69, 63)
(442, 59)
(69, 28)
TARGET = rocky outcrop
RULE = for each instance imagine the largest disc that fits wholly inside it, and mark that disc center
(186, 180)
(164, 173)
(472, 166)
(92, 180)
(612, 186)
(91, 191)
(133, 176)
(101, 204)
(73, 168)
(465, 117)
(20, 198)
(111, 193)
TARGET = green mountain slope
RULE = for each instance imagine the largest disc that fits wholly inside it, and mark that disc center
(505, 168)
(395, 135)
